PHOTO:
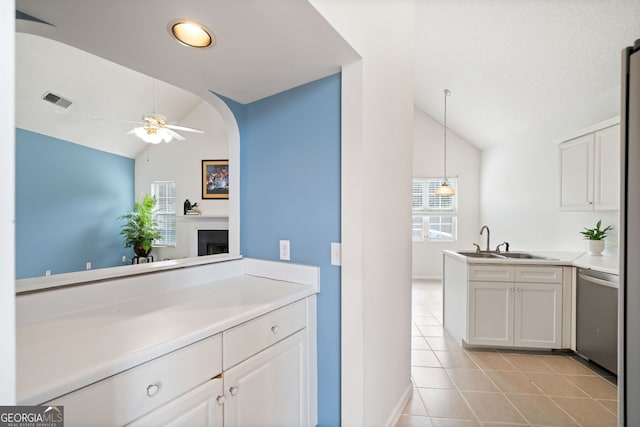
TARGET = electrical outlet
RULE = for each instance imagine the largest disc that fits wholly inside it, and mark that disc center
(336, 253)
(124, 259)
(47, 273)
(89, 265)
(285, 250)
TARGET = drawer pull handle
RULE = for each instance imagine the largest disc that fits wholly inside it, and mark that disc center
(152, 390)
(220, 400)
(233, 390)
(519, 289)
(274, 329)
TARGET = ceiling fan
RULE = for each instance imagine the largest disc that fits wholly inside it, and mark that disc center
(154, 129)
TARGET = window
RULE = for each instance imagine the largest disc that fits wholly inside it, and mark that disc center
(435, 218)
(165, 212)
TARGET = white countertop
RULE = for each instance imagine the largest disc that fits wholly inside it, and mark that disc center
(605, 264)
(79, 277)
(61, 354)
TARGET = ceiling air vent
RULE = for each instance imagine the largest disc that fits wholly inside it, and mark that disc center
(57, 100)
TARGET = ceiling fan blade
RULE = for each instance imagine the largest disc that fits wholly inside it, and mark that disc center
(175, 135)
(184, 128)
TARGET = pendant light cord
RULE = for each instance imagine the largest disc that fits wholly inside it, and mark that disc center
(447, 92)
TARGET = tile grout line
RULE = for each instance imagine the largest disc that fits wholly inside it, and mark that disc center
(500, 390)
(426, 312)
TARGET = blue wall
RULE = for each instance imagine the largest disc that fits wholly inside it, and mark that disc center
(290, 190)
(68, 199)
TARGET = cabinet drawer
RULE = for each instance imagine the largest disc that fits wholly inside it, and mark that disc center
(536, 274)
(245, 340)
(126, 396)
(491, 273)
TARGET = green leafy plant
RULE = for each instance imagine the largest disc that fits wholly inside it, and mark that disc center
(139, 229)
(596, 233)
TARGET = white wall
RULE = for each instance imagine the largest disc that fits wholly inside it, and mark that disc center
(520, 198)
(463, 162)
(377, 116)
(180, 161)
(7, 201)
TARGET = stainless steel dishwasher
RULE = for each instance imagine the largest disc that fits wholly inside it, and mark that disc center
(597, 318)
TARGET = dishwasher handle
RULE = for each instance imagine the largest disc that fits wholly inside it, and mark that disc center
(597, 281)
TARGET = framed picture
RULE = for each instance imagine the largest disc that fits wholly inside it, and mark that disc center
(215, 179)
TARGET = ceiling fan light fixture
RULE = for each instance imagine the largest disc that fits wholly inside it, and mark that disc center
(152, 135)
(191, 33)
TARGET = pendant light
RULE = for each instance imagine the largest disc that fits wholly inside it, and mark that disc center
(445, 189)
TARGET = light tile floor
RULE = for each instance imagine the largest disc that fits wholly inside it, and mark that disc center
(466, 387)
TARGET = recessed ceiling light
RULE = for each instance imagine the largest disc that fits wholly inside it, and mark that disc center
(192, 34)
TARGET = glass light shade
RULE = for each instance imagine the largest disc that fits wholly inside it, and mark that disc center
(152, 137)
(445, 189)
(191, 34)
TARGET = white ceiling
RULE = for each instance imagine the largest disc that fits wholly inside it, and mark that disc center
(515, 67)
(104, 96)
(262, 48)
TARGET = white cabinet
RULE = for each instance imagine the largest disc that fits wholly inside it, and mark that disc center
(538, 315)
(520, 307)
(491, 313)
(258, 373)
(202, 406)
(576, 174)
(270, 388)
(122, 398)
(590, 171)
(607, 169)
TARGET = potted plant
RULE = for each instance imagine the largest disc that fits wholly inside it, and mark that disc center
(139, 229)
(595, 238)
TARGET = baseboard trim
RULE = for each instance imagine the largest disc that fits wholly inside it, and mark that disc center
(397, 410)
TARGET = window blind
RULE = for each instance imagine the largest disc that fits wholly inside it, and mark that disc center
(165, 212)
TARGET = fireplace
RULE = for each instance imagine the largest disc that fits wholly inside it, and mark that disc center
(211, 242)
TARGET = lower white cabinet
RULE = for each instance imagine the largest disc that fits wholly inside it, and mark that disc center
(124, 397)
(538, 315)
(525, 312)
(270, 388)
(490, 313)
(254, 374)
(202, 406)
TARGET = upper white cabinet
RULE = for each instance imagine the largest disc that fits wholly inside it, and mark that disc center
(590, 170)
(606, 180)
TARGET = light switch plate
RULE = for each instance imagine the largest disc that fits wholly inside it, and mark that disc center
(336, 253)
(285, 250)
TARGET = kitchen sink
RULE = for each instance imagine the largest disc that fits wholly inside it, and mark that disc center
(499, 255)
(480, 254)
(520, 255)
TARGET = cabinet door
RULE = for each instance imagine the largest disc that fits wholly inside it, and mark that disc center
(490, 313)
(607, 169)
(201, 407)
(576, 174)
(270, 388)
(538, 315)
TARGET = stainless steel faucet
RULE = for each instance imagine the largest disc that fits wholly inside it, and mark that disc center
(484, 227)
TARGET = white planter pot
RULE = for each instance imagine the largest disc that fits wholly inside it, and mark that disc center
(595, 247)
